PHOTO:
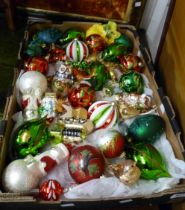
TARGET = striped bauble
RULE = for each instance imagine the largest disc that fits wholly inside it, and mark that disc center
(103, 114)
(77, 50)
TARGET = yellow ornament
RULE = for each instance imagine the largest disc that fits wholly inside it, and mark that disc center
(107, 31)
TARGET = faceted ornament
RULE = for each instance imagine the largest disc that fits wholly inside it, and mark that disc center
(51, 190)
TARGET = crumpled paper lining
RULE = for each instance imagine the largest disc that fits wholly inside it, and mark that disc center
(106, 187)
(112, 187)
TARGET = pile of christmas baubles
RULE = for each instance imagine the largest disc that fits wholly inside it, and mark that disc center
(79, 85)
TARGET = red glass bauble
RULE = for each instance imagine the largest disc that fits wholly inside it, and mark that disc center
(36, 64)
(111, 143)
(81, 96)
(56, 54)
(51, 190)
(96, 43)
(80, 74)
(85, 163)
(132, 62)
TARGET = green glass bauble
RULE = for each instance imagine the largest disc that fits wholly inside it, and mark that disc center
(99, 77)
(132, 82)
(30, 137)
(146, 129)
(71, 34)
(125, 41)
(113, 51)
(150, 161)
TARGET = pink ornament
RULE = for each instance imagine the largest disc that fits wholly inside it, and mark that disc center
(51, 190)
(103, 114)
(77, 50)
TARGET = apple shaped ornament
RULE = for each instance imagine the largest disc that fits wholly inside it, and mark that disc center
(85, 163)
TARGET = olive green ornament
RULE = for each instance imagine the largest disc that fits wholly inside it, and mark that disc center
(30, 137)
(149, 160)
(132, 82)
(146, 129)
(125, 41)
(112, 52)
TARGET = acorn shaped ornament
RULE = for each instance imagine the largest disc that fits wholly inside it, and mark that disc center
(77, 50)
(103, 114)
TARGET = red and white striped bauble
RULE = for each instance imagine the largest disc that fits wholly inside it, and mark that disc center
(103, 114)
(77, 50)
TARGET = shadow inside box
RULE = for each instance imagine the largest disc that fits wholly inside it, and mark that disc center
(29, 206)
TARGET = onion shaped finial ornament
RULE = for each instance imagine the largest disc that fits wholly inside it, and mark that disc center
(103, 114)
(77, 50)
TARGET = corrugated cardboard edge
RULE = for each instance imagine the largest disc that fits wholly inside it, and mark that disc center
(176, 192)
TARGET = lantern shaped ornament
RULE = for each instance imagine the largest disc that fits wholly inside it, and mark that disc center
(103, 114)
(77, 50)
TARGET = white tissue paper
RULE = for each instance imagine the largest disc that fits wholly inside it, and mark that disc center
(107, 187)
(112, 187)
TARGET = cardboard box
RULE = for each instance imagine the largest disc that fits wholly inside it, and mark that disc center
(175, 194)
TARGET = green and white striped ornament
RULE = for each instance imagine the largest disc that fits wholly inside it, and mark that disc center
(103, 114)
(77, 50)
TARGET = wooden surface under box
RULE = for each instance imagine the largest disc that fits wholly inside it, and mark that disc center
(127, 11)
